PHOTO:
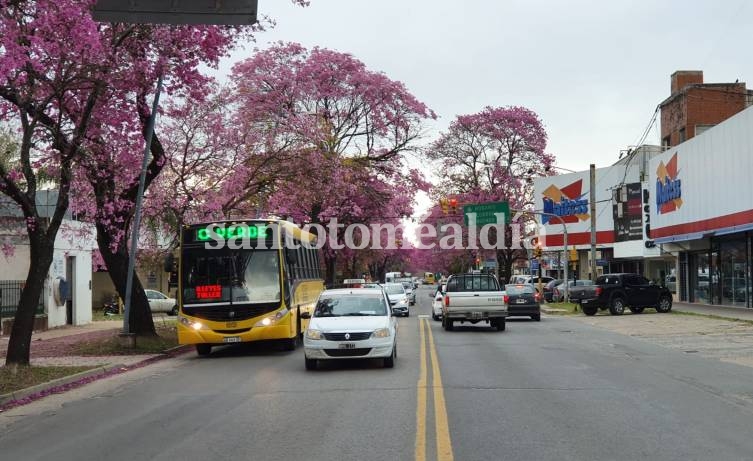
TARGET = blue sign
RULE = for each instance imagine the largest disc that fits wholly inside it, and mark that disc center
(535, 264)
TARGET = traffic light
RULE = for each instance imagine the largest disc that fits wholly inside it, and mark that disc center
(454, 205)
(444, 203)
(573, 255)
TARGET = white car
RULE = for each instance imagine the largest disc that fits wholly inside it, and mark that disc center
(350, 323)
(436, 307)
(159, 302)
(399, 299)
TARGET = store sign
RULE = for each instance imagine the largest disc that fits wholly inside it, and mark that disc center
(668, 187)
(627, 212)
(567, 203)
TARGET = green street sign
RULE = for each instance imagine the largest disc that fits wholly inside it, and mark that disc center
(486, 212)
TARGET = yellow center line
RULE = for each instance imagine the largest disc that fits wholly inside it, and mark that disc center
(421, 405)
(444, 445)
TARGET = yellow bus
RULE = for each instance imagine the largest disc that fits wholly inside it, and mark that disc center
(243, 281)
(429, 278)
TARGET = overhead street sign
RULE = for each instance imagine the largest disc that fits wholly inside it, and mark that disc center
(486, 213)
(217, 12)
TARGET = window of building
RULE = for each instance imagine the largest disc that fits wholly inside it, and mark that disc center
(682, 134)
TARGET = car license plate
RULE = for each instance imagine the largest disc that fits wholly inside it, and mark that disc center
(584, 301)
(347, 345)
(476, 315)
(521, 301)
(231, 339)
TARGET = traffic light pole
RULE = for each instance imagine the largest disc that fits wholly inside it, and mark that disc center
(564, 233)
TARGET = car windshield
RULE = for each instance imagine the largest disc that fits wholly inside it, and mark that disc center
(351, 304)
(394, 289)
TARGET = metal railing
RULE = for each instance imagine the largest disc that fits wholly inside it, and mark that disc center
(10, 295)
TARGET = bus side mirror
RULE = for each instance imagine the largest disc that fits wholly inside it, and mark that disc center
(170, 263)
(305, 315)
(291, 257)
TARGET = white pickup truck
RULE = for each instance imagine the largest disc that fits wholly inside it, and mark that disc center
(473, 298)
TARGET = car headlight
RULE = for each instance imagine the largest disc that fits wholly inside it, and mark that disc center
(190, 323)
(272, 319)
(314, 334)
(405, 299)
(381, 333)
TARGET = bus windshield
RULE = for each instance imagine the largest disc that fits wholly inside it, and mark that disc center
(230, 276)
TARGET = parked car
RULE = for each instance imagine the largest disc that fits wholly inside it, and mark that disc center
(575, 290)
(348, 324)
(398, 298)
(618, 291)
(160, 302)
(549, 289)
(670, 282)
(522, 299)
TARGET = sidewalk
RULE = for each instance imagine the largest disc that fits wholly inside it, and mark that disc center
(726, 312)
(54, 347)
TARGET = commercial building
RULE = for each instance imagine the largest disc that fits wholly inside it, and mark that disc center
(702, 211)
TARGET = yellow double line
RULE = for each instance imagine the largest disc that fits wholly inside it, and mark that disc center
(442, 429)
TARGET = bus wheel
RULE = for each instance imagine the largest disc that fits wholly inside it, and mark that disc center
(203, 349)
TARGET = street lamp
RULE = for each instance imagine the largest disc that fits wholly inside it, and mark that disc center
(237, 12)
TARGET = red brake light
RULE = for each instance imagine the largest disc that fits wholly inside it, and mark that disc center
(507, 299)
(537, 296)
(447, 300)
(598, 291)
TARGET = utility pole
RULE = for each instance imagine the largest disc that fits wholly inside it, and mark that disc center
(592, 203)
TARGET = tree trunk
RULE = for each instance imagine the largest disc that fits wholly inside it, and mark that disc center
(40, 258)
(331, 268)
(140, 321)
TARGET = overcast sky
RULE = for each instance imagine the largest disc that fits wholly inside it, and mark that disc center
(594, 71)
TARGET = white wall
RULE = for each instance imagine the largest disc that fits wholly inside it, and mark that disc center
(715, 170)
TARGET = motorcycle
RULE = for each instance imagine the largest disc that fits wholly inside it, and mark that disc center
(112, 307)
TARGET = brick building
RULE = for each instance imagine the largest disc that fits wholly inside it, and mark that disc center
(694, 106)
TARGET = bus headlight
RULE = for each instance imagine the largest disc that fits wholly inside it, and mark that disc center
(197, 326)
(190, 323)
(314, 334)
(381, 333)
(272, 319)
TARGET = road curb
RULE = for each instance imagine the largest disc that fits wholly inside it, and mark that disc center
(66, 383)
(40, 388)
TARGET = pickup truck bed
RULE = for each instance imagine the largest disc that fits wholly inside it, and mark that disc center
(473, 298)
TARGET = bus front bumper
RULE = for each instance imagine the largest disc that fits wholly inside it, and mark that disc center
(207, 335)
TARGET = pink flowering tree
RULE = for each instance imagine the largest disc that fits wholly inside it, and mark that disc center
(350, 126)
(492, 156)
(77, 93)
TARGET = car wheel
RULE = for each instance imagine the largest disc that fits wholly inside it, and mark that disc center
(636, 310)
(203, 349)
(590, 311)
(389, 362)
(407, 313)
(665, 305)
(617, 306)
(501, 325)
(447, 324)
(536, 317)
(174, 311)
(435, 317)
(310, 363)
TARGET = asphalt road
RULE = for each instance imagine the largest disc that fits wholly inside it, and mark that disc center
(558, 389)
